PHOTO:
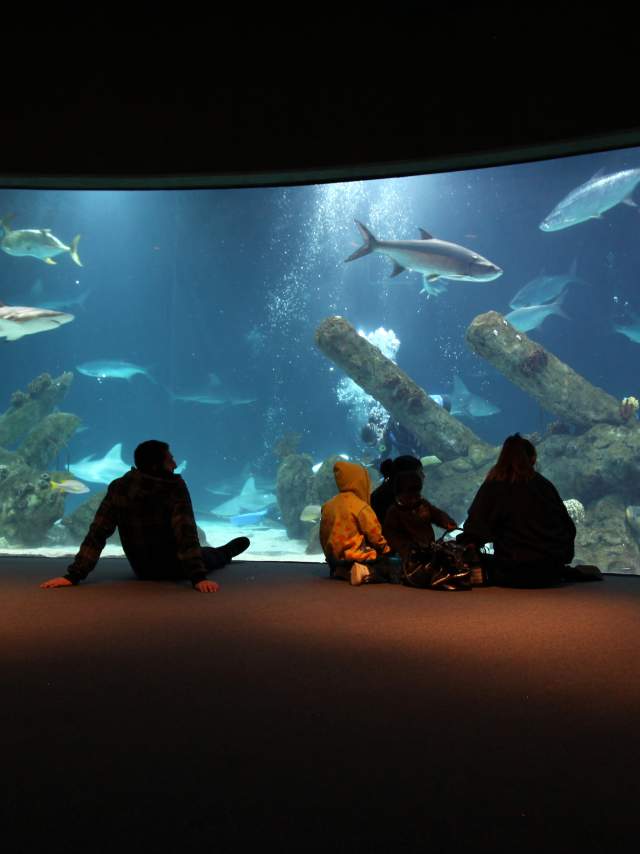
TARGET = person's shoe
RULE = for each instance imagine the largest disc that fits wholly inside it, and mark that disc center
(235, 547)
(360, 574)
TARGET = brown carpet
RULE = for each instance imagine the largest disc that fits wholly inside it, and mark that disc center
(292, 710)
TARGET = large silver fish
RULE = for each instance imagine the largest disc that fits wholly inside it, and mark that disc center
(543, 288)
(19, 320)
(435, 259)
(591, 200)
(531, 316)
(37, 243)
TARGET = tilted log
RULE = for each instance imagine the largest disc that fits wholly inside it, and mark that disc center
(525, 363)
(439, 431)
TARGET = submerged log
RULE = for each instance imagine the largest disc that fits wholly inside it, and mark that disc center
(439, 431)
(539, 373)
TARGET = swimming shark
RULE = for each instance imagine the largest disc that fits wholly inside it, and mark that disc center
(19, 320)
(208, 399)
(67, 302)
(591, 199)
(113, 369)
(249, 500)
(465, 402)
(433, 258)
(37, 243)
(630, 330)
(107, 468)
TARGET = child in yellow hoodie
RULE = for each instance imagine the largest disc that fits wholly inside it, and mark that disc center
(350, 532)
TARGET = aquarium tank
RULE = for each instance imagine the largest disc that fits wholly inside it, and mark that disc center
(266, 332)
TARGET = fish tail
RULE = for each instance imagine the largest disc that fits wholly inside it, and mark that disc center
(74, 250)
(4, 222)
(370, 243)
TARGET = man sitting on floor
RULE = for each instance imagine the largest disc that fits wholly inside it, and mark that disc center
(151, 507)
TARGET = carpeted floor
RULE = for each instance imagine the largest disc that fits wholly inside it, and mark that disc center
(295, 711)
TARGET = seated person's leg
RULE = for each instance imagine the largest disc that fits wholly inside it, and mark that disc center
(216, 558)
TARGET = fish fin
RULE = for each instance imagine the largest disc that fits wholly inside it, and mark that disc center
(424, 235)
(54, 485)
(574, 269)
(74, 250)
(433, 277)
(557, 306)
(369, 243)
(4, 222)
(629, 201)
(249, 486)
(115, 452)
(49, 261)
(598, 174)
(397, 269)
(45, 230)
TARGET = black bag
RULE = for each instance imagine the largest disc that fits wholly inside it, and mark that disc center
(440, 566)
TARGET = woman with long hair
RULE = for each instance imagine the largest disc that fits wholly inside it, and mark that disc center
(522, 514)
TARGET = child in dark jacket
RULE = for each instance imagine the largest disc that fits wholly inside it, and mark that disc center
(410, 519)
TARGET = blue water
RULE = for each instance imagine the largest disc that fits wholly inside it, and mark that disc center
(235, 282)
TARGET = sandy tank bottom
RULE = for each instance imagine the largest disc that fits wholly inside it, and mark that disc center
(267, 544)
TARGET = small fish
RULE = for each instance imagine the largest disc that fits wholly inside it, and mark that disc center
(19, 320)
(532, 316)
(37, 243)
(311, 513)
(430, 460)
(73, 487)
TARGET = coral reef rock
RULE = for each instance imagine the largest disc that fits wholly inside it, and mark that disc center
(606, 539)
(293, 485)
(575, 509)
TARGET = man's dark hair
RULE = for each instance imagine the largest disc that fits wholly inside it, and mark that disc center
(149, 455)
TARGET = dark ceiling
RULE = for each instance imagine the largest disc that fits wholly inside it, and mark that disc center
(158, 128)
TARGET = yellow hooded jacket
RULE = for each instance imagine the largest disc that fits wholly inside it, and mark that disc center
(349, 529)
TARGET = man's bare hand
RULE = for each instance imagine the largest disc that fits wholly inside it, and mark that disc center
(207, 586)
(57, 582)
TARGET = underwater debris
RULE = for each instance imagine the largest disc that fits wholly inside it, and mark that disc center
(534, 363)
(629, 407)
(555, 386)
(395, 391)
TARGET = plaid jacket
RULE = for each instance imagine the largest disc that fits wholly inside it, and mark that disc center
(157, 529)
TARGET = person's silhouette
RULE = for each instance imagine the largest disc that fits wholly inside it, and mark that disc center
(151, 507)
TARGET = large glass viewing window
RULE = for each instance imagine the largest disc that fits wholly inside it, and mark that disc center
(192, 316)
